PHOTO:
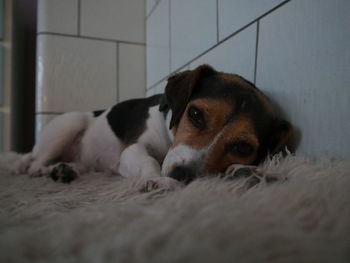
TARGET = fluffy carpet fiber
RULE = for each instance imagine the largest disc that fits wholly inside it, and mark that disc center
(305, 217)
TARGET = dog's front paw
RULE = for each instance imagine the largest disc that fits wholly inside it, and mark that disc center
(21, 166)
(37, 170)
(64, 173)
(160, 183)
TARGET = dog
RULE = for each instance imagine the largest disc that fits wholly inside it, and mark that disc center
(204, 122)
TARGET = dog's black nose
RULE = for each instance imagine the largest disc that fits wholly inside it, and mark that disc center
(183, 174)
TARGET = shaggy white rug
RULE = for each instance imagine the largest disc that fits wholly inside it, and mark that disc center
(104, 218)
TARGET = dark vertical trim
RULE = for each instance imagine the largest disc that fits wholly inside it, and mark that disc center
(217, 20)
(117, 73)
(23, 65)
(256, 49)
(79, 17)
(169, 36)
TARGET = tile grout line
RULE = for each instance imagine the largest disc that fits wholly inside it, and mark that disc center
(217, 21)
(151, 88)
(256, 49)
(145, 50)
(79, 17)
(169, 14)
(222, 41)
(205, 52)
(152, 9)
(90, 38)
(145, 57)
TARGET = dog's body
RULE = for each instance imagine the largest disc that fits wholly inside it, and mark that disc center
(204, 122)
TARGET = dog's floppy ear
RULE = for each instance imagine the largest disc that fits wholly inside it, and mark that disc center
(281, 132)
(180, 87)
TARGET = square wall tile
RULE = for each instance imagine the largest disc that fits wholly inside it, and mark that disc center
(157, 48)
(235, 55)
(304, 65)
(184, 68)
(132, 72)
(40, 121)
(58, 16)
(120, 20)
(193, 29)
(235, 14)
(75, 74)
(157, 89)
(160, 87)
(150, 92)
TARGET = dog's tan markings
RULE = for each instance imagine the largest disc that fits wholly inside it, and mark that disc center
(240, 130)
(215, 114)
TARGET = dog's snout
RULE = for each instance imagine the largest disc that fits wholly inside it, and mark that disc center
(183, 174)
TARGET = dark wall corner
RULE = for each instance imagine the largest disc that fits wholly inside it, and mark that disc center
(23, 74)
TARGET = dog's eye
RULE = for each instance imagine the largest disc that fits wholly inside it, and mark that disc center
(196, 117)
(242, 149)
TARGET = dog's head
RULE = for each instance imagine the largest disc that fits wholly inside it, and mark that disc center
(218, 119)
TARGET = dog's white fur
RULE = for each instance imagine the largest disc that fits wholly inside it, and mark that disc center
(183, 155)
(100, 149)
(142, 158)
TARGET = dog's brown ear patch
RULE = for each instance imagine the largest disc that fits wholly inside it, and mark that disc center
(282, 131)
(180, 88)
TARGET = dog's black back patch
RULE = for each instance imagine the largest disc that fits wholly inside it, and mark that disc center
(128, 119)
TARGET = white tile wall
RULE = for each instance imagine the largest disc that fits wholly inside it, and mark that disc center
(120, 20)
(150, 92)
(193, 29)
(158, 43)
(75, 74)
(80, 73)
(303, 63)
(236, 55)
(42, 120)
(132, 74)
(235, 14)
(150, 4)
(59, 16)
(298, 52)
(159, 88)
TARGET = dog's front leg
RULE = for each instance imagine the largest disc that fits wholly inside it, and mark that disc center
(135, 160)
